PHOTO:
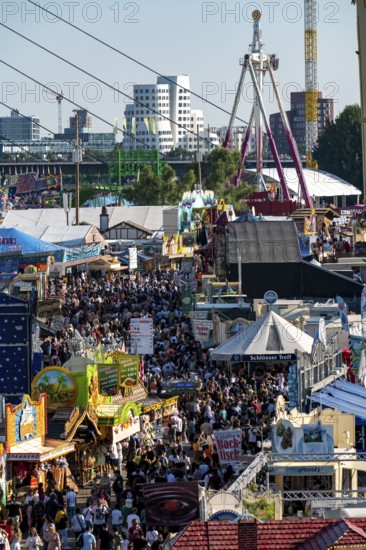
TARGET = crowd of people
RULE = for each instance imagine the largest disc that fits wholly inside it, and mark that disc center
(114, 514)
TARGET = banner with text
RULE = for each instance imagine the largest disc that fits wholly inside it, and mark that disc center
(228, 445)
(129, 371)
(142, 336)
(202, 330)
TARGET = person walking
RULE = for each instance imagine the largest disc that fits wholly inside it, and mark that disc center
(86, 540)
(52, 538)
(106, 539)
(61, 527)
(34, 541)
(70, 503)
(78, 523)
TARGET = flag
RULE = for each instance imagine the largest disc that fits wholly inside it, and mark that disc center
(363, 311)
(99, 354)
(115, 126)
(343, 313)
(146, 121)
(362, 369)
(315, 341)
(152, 126)
(133, 125)
(322, 332)
(345, 326)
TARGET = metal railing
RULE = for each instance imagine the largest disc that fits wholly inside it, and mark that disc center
(249, 473)
(334, 457)
(323, 494)
(326, 498)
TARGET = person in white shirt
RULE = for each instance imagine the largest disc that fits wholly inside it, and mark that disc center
(88, 515)
(125, 544)
(132, 516)
(70, 503)
(151, 535)
(120, 456)
(117, 517)
(78, 523)
(179, 429)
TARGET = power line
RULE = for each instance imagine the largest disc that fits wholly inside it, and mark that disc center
(134, 60)
(102, 161)
(73, 102)
(77, 67)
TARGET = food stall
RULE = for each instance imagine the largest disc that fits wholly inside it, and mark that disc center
(31, 458)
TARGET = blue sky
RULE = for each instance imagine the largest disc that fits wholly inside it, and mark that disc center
(202, 39)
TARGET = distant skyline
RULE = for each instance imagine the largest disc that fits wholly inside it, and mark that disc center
(202, 39)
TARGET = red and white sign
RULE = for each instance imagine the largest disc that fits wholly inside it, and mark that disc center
(202, 330)
(228, 445)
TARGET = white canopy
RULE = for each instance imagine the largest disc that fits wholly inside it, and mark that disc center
(319, 183)
(270, 338)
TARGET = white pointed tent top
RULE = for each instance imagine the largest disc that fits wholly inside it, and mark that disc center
(270, 338)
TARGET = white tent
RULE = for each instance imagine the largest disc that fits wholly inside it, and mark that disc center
(270, 338)
(319, 183)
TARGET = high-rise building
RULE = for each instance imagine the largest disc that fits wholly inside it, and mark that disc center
(296, 117)
(85, 123)
(19, 128)
(171, 99)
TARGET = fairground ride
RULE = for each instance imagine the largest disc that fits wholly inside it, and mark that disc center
(258, 63)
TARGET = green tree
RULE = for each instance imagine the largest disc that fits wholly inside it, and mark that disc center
(222, 167)
(151, 189)
(237, 195)
(339, 148)
(146, 190)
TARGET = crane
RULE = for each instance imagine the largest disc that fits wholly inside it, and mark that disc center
(311, 82)
(59, 97)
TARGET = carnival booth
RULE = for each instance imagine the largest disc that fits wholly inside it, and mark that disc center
(3, 490)
(156, 414)
(269, 340)
(31, 458)
(96, 402)
(314, 462)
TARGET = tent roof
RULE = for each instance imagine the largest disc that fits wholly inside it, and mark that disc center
(149, 217)
(270, 335)
(61, 233)
(343, 396)
(27, 243)
(319, 183)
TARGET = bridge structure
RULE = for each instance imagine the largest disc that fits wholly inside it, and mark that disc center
(98, 168)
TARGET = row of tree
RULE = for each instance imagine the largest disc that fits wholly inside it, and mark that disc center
(220, 167)
(339, 151)
(339, 148)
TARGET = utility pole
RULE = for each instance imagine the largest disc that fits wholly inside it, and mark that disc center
(198, 158)
(361, 52)
(77, 159)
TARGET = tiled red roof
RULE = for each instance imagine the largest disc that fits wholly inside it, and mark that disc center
(342, 532)
(287, 534)
(209, 535)
(356, 533)
(305, 534)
